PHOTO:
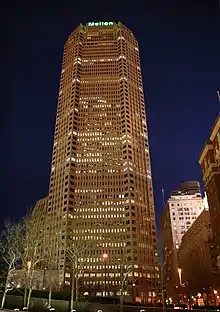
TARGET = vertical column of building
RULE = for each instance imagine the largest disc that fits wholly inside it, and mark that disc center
(38, 220)
(147, 229)
(77, 50)
(98, 179)
(139, 210)
(125, 121)
(61, 189)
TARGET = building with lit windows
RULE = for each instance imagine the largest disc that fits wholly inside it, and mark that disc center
(195, 256)
(100, 192)
(182, 208)
(210, 164)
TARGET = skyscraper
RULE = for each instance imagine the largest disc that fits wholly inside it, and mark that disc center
(100, 191)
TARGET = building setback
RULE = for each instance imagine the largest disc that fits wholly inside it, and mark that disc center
(100, 192)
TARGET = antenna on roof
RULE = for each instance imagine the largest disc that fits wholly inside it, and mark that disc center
(163, 196)
(218, 94)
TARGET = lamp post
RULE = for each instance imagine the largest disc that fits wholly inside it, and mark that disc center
(44, 273)
(134, 291)
(105, 256)
(181, 283)
(162, 282)
(215, 293)
(180, 275)
(199, 295)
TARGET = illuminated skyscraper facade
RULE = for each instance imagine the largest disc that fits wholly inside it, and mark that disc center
(100, 191)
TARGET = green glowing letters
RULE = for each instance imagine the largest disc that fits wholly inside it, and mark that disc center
(100, 23)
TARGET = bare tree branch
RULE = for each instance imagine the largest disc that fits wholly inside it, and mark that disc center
(11, 250)
(75, 253)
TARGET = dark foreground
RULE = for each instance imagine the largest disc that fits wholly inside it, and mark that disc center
(96, 307)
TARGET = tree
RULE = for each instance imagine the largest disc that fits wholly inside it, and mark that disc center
(76, 253)
(125, 270)
(52, 278)
(31, 257)
(11, 247)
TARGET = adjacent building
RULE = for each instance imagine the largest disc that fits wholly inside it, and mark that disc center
(100, 192)
(195, 256)
(38, 219)
(210, 164)
(37, 265)
(182, 208)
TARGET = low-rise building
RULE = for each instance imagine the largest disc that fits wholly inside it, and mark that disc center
(195, 256)
(210, 164)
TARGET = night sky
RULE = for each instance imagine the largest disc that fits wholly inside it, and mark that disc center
(180, 56)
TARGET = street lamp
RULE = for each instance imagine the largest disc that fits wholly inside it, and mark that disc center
(181, 283)
(180, 275)
(215, 293)
(44, 273)
(105, 256)
(162, 282)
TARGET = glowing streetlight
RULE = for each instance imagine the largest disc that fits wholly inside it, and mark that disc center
(105, 256)
(180, 275)
(199, 295)
(216, 297)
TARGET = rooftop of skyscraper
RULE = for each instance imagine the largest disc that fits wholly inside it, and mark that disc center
(188, 188)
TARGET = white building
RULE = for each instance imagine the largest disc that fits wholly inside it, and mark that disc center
(182, 209)
(185, 205)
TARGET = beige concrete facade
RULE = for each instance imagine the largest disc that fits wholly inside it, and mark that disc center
(100, 191)
(38, 225)
(43, 279)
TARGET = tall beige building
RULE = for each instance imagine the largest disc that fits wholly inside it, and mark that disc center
(100, 191)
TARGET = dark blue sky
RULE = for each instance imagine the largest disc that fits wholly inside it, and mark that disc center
(180, 55)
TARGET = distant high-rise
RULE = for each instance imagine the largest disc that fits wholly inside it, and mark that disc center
(188, 188)
(100, 191)
(210, 164)
(182, 208)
